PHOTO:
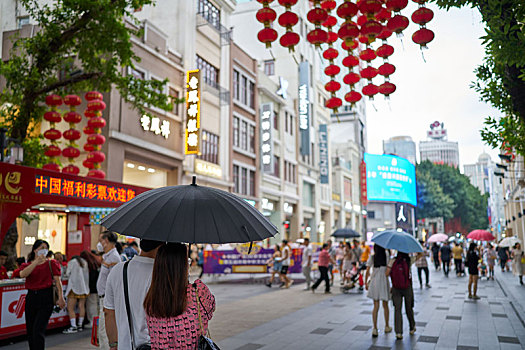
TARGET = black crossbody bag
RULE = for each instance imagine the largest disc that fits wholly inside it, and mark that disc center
(128, 311)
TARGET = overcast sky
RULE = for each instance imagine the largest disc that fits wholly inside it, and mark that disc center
(435, 90)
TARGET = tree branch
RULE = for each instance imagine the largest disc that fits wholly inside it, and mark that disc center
(66, 82)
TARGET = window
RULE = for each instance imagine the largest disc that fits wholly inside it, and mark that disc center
(371, 214)
(210, 13)
(244, 90)
(251, 94)
(209, 147)
(348, 188)
(308, 194)
(244, 181)
(289, 172)
(251, 191)
(236, 131)
(276, 167)
(236, 84)
(244, 134)
(22, 21)
(174, 96)
(251, 138)
(275, 120)
(138, 74)
(236, 187)
(288, 123)
(209, 73)
(269, 67)
(292, 126)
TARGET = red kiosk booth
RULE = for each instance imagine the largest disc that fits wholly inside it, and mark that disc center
(65, 207)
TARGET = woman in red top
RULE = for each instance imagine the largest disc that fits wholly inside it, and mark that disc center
(39, 273)
(324, 260)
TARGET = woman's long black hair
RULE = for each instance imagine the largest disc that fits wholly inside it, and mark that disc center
(37, 244)
(379, 256)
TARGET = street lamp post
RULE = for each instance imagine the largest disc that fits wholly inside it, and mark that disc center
(17, 151)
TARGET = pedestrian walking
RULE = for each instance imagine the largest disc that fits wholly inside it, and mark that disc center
(77, 292)
(399, 271)
(92, 301)
(366, 253)
(422, 266)
(435, 256)
(356, 252)
(503, 255)
(347, 261)
(126, 290)
(518, 261)
(177, 312)
(472, 262)
(107, 244)
(491, 260)
(276, 266)
(307, 262)
(324, 261)
(457, 255)
(131, 250)
(333, 253)
(200, 260)
(339, 256)
(40, 274)
(378, 287)
(285, 261)
(444, 255)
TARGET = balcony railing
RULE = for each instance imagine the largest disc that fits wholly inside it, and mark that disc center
(225, 33)
(219, 91)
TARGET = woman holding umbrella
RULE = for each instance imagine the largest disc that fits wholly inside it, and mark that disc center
(518, 261)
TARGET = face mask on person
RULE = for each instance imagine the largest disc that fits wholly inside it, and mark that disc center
(100, 247)
(42, 252)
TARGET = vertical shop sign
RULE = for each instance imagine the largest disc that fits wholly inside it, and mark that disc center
(266, 137)
(193, 113)
(323, 153)
(364, 192)
(304, 107)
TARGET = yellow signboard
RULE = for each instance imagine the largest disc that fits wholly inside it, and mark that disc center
(192, 140)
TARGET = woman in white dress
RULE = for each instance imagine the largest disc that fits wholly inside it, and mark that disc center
(378, 286)
(518, 265)
(77, 292)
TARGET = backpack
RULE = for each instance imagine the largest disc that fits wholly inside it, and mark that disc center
(400, 274)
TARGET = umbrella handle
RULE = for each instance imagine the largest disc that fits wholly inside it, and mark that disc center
(194, 180)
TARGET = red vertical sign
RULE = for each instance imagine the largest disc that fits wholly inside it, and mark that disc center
(364, 194)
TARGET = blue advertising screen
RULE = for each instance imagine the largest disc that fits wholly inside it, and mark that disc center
(390, 178)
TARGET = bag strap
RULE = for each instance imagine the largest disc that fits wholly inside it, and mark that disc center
(126, 298)
(51, 270)
(199, 304)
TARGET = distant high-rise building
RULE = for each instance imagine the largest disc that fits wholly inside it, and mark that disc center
(479, 173)
(402, 146)
(438, 149)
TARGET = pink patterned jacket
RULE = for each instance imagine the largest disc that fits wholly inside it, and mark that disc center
(182, 332)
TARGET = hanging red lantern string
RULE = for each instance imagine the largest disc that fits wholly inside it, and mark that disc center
(397, 24)
(396, 5)
(317, 16)
(422, 37)
(331, 54)
(95, 139)
(386, 89)
(53, 117)
(289, 39)
(422, 16)
(72, 117)
(370, 90)
(383, 15)
(266, 15)
(369, 8)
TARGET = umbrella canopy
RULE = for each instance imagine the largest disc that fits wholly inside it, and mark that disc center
(345, 233)
(481, 235)
(438, 237)
(398, 240)
(509, 242)
(190, 214)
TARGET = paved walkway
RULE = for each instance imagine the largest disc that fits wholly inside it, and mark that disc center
(250, 316)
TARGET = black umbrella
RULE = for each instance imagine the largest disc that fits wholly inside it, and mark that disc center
(190, 214)
(345, 233)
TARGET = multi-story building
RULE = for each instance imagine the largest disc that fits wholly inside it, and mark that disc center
(480, 172)
(438, 149)
(402, 146)
(513, 179)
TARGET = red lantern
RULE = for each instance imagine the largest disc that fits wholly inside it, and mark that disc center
(334, 103)
(422, 16)
(72, 100)
(422, 37)
(332, 70)
(332, 86)
(72, 134)
(386, 69)
(396, 5)
(348, 32)
(52, 134)
(330, 54)
(72, 117)
(289, 40)
(96, 173)
(385, 51)
(353, 97)
(421, 2)
(317, 37)
(370, 90)
(267, 36)
(88, 130)
(351, 78)
(328, 5)
(94, 95)
(96, 139)
(52, 117)
(53, 100)
(369, 73)
(383, 15)
(387, 88)
(350, 61)
(332, 37)
(347, 10)
(397, 24)
(288, 19)
(89, 147)
(371, 29)
(287, 3)
(71, 152)
(368, 55)
(330, 22)
(96, 157)
(385, 34)
(317, 16)
(53, 151)
(266, 15)
(71, 169)
(90, 114)
(52, 167)
(96, 105)
(365, 40)
(361, 20)
(97, 123)
(349, 46)
(369, 7)
(87, 164)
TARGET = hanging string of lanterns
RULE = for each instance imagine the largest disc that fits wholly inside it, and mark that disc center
(72, 117)
(288, 19)
(422, 16)
(53, 117)
(330, 54)
(95, 138)
(267, 16)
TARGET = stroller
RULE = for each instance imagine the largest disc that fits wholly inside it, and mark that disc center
(356, 276)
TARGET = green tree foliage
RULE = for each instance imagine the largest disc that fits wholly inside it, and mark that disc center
(80, 45)
(501, 77)
(444, 191)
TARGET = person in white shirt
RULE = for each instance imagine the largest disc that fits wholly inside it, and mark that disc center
(286, 260)
(77, 291)
(106, 243)
(307, 262)
(139, 274)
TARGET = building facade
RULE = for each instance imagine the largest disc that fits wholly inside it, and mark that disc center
(402, 146)
(437, 148)
(514, 193)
